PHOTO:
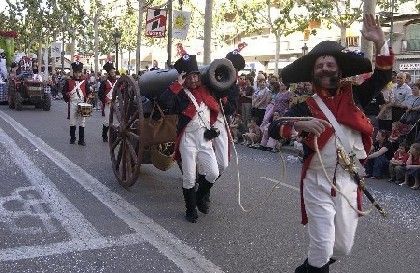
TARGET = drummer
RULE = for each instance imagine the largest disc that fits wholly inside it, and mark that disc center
(105, 95)
(76, 91)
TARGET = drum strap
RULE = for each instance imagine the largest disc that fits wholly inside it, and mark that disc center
(77, 88)
(109, 94)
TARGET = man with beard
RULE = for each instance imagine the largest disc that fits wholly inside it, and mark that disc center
(105, 95)
(76, 91)
(197, 110)
(336, 123)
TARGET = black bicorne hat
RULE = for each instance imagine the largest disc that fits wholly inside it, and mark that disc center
(237, 60)
(108, 66)
(350, 63)
(77, 66)
(187, 63)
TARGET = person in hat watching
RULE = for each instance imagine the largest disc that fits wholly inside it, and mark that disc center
(197, 110)
(75, 91)
(105, 95)
(331, 219)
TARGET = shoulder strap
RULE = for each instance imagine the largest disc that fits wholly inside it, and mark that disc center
(197, 108)
(337, 127)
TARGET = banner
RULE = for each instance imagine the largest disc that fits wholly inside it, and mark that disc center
(55, 50)
(156, 23)
(181, 24)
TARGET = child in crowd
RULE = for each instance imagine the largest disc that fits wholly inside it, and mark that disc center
(253, 136)
(234, 127)
(377, 162)
(413, 167)
(397, 164)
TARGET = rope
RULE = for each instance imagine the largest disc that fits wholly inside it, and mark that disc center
(283, 169)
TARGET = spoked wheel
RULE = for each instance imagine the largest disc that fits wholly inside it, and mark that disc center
(125, 124)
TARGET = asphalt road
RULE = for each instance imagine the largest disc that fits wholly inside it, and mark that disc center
(62, 210)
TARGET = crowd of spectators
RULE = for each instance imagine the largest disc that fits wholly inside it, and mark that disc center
(263, 98)
(395, 113)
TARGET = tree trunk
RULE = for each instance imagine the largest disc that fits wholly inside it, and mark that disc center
(53, 59)
(96, 41)
(72, 44)
(139, 32)
(277, 55)
(343, 36)
(208, 17)
(365, 45)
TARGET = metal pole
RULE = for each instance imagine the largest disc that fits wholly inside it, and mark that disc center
(168, 62)
(62, 56)
(116, 56)
(392, 23)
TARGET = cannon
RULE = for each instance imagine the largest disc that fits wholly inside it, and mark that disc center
(127, 144)
(219, 76)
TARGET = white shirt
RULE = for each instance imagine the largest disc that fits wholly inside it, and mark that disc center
(401, 93)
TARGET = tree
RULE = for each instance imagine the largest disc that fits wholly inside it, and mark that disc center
(280, 17)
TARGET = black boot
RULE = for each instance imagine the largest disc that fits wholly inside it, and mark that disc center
(190, 203)
(203, 194)
(307, 268)
(72, 134)
(105, 133)
(81, 136)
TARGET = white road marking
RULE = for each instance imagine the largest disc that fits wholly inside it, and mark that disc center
(30, 252)
(281, 183)
(185, 257)
(65, 212)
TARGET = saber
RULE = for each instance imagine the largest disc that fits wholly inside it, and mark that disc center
(347, 162)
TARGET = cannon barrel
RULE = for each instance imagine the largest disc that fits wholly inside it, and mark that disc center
(219, 76)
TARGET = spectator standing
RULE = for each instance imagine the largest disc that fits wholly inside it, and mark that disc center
(155, 66)
(245, 97)
(260, 99)
(400, 92)
(385, 113)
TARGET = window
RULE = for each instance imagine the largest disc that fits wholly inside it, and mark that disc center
(413, 37)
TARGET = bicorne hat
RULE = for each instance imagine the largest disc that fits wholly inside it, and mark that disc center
(236, 58)
(108, 66)
(187, 63)
(77, 66)
(350, 63)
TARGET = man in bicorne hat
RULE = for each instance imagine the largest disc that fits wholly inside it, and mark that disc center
(197, 110)
(76, 91)
(336, 123)
(105, 95)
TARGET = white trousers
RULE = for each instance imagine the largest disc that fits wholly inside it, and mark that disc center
(107, 109)
(221, 146)
(75, 117)
(331, 221)
(197, 152)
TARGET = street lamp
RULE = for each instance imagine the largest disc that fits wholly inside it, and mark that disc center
(304, 50)
(117, 39)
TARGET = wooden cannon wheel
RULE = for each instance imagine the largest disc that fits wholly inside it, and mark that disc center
(125, 125)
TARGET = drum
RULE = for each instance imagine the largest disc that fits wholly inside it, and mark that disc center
(84, 109)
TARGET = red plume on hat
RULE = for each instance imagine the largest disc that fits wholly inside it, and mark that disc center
(241, 46)
(180, 50)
